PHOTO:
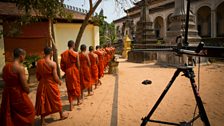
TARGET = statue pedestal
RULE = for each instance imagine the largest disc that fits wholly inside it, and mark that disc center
(145, 35)
(127, 47)
(177, 26)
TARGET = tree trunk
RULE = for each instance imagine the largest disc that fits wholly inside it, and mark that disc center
(55, 54)
(84, 24)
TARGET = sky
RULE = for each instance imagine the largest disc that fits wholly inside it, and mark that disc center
(108, 6)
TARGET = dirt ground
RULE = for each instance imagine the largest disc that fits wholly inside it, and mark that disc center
(122, 99)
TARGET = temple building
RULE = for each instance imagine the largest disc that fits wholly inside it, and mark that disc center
(153, 23)
(208, 18)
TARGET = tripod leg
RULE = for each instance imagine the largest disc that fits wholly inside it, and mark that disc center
(201, 108)
(147, 118)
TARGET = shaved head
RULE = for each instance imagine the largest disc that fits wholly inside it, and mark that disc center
(17, 52)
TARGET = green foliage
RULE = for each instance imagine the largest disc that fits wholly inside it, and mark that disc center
(30, 61)
(99, 19)
(112, 33)
(47, 8)
(107, 30)
(109, 35)
(52, 9)
(36, 10)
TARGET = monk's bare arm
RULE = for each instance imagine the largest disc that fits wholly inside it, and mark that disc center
(89, 63)
(21, 72)
(78, 62)
(97, 59)
(55, 75)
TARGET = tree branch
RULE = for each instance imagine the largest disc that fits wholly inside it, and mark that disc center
(85, 23)
(90, 5)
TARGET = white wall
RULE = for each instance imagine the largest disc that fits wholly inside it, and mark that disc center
(96, 36)
(68, 31)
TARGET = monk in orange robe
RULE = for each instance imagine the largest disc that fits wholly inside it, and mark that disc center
(70, 65)
(16, 107)
(107, 55)
(100, 64)
(85, 75)
(48, 95)
(94, 68)
(105, 58)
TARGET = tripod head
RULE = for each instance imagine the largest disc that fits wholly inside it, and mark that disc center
(201, 50)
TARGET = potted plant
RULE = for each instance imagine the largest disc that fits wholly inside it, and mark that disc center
(30, 64)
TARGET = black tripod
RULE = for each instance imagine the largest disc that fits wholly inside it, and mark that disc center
(189, 73)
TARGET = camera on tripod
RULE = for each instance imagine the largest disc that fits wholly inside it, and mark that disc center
(183, 48)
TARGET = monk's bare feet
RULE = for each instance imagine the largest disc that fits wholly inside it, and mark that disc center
(82, 96)
(79, 103)
(43, 123)
(90, 94)
(71, 107)
(100, 83)
(64, 115)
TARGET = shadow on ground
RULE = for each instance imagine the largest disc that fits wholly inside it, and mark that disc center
(114, 116)
(47, 121)
(150, 66)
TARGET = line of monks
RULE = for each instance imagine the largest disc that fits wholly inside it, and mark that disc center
(82, 71)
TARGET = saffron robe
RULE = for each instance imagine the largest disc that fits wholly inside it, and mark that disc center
(85, 75)
(94, 68)
(100, 64)
(108, 56)
(48, 95)
(16, 107)
(72, 77)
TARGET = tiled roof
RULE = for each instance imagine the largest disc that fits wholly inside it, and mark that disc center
(10, 9)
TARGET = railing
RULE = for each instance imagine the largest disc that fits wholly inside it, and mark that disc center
(77, 9)
(151, 46)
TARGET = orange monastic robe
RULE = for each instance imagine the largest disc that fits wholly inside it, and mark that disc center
(107, 55)
(16, 108)
(105, 58)
(94, 68)
(100, 64)
(85, 75)
(72, 78)
(48, 95)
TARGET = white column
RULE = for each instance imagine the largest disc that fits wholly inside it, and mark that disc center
(165, 26)
(180, 7)
(213, 24)
(196, 20)
(2, 50)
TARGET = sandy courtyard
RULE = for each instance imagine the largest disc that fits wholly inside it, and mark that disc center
(122, 99)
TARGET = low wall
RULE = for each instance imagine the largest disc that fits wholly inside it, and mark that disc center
(141, 56)
(162, 58)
